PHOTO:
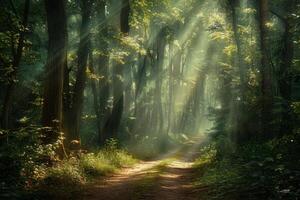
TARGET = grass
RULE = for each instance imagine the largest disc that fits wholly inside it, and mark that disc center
(105, 162)
(69, 176)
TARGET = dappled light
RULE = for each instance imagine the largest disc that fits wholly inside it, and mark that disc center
(149, 99)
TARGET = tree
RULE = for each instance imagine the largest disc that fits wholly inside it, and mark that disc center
(55, 65)
(285, 66)
(74, 115)
(103, 70)
(266, 71)
(17, 56)
(159, 48)
(241, 129)
(118, 86)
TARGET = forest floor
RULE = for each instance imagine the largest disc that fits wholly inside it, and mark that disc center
(168, 178)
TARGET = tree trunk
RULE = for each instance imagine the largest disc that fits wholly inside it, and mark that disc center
(198, 100)
(95, 97)
(285, 70)
(81, 76)
(285, 80)
(118, 85)
(234, 21)
(103, 70)
(17, 56)
(266, 72)
(54, 74)
(241, 132)
(171, 89)
(158, 68)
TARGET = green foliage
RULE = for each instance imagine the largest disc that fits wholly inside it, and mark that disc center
(146, 148)
(24, 158)
(181, 61)
(30, 165)
(149, 147)
(96, 165)
(256, 171)
(71, 174)
(66, 172)
(105, 161)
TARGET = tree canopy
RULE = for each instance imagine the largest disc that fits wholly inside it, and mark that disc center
(142, 78)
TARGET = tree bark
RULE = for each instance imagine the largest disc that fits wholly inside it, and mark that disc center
(54, 73)
(266, 72)
(118, 85)
(285, 69)
(81, 76)
(171, 89)
(95, 97)
(242, 126)
(158, 68)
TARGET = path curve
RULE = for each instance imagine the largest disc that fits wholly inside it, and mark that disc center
(174, 181)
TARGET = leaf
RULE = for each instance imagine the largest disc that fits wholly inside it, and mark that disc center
(269, 159)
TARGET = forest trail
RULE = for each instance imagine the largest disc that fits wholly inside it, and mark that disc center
(176, 182)
(168, 178)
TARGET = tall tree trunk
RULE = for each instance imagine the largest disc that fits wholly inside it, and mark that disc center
(160, 50)
(128, 94)
(103, 70)
(17, 56)
(118, 86)
(54, 75)
(95, 97)
(285, 80)
(241, 132)
(285, 69)
(234, 21)
(171, 88)
(266, 72)
(199, 100)
(140, 77)
(81, 76)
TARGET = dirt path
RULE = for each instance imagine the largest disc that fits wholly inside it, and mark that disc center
(176, 182)
(121, 186)
(153, 180)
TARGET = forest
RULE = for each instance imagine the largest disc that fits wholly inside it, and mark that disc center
(150, 99)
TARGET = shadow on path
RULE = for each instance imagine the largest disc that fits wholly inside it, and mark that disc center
(147, 180)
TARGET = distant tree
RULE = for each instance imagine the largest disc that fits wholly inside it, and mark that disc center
(285, 65)
(103, 69)
(113, 124)
(75, 112)
(266, 70)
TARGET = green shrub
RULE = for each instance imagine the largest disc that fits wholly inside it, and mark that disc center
(31, 166)
(65, 173)
(96, 165)
(23, 158)
(255, 171)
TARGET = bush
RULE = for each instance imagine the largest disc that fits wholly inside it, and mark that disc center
(65, 173)
(23, 159)
(107, 160)
(255, 171)
(96, 165)
(29, 166)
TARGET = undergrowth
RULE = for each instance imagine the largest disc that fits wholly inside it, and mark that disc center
(267, 170)
(34, 171)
